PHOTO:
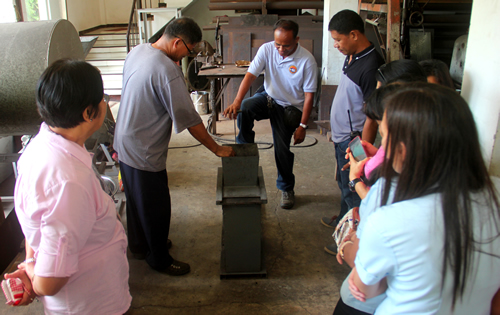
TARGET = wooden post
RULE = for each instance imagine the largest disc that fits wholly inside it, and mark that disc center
(393, 30)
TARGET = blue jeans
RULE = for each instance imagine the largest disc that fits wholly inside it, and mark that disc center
(255, 108)
(349, 199)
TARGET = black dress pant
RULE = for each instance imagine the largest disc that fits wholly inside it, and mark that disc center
(148, 214)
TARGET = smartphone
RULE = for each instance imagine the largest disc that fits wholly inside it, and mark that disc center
(357, 150)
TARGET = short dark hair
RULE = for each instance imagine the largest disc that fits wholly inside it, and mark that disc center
(404, 70)
(438, 69)
(287, 25)
(346, 21)
(184, 27)
(65, 89)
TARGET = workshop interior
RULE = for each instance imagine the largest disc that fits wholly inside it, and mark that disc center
(35, 33)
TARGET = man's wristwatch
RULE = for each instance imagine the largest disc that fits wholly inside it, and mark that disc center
(353, 183)
(304, 125)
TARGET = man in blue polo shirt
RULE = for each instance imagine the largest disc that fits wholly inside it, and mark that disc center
(356, 85)
(290, 81)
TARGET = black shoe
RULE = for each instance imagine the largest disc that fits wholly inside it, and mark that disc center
(331, 249)
(287, 199)
(329, 222)
(177, 268)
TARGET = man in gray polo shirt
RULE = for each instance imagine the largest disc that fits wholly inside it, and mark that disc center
(356, 84)
(290, 81)
(154, 100)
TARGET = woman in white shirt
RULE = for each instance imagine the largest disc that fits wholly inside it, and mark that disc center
(431, 237)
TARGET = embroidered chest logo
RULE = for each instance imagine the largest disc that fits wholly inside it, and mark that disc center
(292, 69)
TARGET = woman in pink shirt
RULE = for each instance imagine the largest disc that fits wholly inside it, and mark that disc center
(75, 245)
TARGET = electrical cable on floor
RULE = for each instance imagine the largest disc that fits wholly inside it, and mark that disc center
(217, 138)
(306, 145)
(269, 145)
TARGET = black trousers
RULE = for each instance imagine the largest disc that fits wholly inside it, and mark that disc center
(148, 214)
(343, 309)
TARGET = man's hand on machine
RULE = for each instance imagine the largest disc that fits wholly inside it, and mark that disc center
(232, 111)
(224, 151)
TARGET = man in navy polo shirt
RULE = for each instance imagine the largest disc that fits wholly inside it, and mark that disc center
(356, 85)
(290, 81)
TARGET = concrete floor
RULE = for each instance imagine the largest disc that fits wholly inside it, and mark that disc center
(301, 277)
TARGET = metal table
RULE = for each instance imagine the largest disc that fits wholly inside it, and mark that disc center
(222, 72)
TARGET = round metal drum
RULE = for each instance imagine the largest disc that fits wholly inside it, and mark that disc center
(26, 50)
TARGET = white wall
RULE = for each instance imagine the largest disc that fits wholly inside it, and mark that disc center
(7, 12)
(84, 14)
(480, 86)
(332, 58)
(57, 9)
(118, 11)
(91, 13)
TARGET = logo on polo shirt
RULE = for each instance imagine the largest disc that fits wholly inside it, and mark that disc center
(292, 69)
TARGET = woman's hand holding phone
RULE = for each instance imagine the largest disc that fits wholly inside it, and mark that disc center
(370, 149)
(357, 167)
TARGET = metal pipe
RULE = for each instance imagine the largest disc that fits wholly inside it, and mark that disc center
(225, 19)
(269, 5)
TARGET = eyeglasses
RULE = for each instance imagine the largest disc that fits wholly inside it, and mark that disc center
(191, 52)
(382, 75)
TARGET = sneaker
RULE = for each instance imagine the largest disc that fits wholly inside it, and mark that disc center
(287, 199)
(330, 222)
(331, 249)
(177, 268)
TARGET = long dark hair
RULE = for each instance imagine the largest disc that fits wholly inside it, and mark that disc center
(443, 156)
(375, 104)
(438, 69)
(403, 70)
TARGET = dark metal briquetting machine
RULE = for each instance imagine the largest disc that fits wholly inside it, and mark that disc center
(241, 191)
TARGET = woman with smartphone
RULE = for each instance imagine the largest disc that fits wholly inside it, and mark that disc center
(368, 170)
(364, 173)
(430, 228)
